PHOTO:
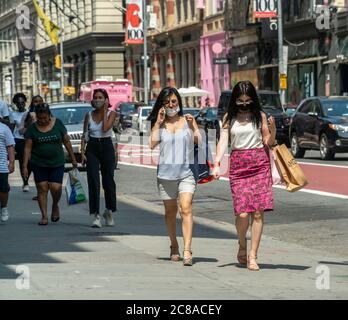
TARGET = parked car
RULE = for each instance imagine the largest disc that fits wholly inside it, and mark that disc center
(139, 120)
(125, 112)
(207, 119)
(271, 105)
(192, 111)
(72, 115)
(320, 123)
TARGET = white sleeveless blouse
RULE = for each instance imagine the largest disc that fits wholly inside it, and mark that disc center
(96, 129)
(246, 136)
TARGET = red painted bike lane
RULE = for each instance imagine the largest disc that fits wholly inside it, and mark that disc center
(323, 178)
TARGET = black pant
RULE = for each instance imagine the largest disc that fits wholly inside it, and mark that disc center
(20, 143)
(100, 153)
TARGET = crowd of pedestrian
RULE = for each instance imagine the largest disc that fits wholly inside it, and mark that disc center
(37, 139)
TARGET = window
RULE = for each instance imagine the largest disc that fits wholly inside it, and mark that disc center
(306, 107)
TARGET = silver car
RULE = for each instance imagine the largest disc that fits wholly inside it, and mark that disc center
(72, 115)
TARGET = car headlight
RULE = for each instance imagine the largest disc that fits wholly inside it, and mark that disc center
(338, 127)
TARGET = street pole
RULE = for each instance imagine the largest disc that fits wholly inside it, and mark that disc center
(146, 76)
(62, 59)
(280, 49)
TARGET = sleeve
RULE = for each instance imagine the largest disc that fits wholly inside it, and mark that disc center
(12, 118)
(9, 137)
(5, 112)
(61, 127)
(29, 133)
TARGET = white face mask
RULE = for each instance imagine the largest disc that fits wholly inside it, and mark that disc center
(97, 104)
(172, 112)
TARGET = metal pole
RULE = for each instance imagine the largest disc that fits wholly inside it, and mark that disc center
(146, 76)
(280, 48)
(62, 59)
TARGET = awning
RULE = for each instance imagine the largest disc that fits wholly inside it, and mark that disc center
(291, 62)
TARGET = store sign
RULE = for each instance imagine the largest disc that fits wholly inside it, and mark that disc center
(269, 28)
(221, 61)
(265, 8)
(244, 58)
(134, 22)
(54, 85)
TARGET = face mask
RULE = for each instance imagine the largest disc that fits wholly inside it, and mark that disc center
(244, 108)
(172, 112)
(97, 104)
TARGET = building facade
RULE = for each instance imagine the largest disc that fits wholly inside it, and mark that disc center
(174, 49)
(92, 47)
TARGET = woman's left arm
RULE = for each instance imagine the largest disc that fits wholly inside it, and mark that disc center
(108, 121)
(68, 146)
(194, 127)
(269, 130)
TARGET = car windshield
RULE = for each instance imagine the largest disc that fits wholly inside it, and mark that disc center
(338, 108)
(145, 112)
(193, 112)
(70, 115)
(270, 101)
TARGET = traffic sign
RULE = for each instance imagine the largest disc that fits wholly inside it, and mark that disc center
(54, 85)
(69, 65)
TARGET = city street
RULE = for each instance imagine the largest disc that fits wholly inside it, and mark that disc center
(304, 239)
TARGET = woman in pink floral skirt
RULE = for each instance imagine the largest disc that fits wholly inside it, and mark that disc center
(250, 176)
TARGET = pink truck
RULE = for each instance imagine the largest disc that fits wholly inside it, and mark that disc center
(118, 91)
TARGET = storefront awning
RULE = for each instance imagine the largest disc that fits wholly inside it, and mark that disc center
(298, 61)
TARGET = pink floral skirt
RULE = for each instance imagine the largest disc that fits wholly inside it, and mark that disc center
(251, 181)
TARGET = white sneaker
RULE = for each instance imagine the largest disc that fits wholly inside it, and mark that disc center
(109, 221)
(4, 214)
(96, 222)
(25, 188)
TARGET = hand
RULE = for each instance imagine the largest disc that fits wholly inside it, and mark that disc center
(216, 173)
(271, 125)
(25, 173)
(83, 160)
(11, 167)
(161, 116)
(74, 163)
(190, 120)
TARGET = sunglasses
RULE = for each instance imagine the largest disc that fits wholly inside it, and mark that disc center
(244, 103)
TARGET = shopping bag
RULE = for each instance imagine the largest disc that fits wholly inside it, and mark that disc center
(289, 169)
(277, 179)
(76, 188)
(203, 163)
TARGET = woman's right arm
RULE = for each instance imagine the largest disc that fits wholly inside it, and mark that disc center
(27, 153)
(155, 131)
(83, 138)
(155, 136)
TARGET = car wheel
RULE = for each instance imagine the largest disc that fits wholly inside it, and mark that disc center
(325, 152)
(295, 148)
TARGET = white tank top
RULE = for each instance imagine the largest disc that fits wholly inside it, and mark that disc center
(245, 136)
(96, 129)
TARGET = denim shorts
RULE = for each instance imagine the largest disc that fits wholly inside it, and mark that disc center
(170, 189)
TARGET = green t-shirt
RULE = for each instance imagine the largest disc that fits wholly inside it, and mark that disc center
(47, 150)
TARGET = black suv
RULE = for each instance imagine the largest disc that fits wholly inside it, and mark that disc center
(271, 105)
(320, 123)
(125, 112)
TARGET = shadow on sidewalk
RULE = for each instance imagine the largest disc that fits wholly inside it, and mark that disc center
(270, 266)
(23, 242)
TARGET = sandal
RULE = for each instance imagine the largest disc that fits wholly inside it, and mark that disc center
(187, 261)
(55, 218)
(252, 264)
(242, 258)
(43, 222)
(174, 254)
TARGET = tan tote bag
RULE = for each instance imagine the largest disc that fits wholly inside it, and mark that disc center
(290, 170)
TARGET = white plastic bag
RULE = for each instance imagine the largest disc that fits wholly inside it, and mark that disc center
(76, 188)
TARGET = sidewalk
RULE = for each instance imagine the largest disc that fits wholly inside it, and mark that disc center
(70, 260)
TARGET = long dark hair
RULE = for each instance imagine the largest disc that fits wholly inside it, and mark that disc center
(104, 93)
(244, 88)
(166, 92)
(31, 106)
